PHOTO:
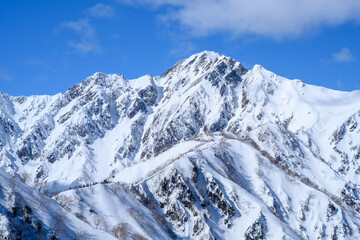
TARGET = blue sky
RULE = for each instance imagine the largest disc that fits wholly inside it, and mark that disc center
(47, 46)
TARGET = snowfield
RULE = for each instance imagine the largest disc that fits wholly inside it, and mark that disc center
(207, 150)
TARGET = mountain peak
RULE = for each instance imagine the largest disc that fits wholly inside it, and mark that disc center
(103, 80)
(199, 64)
(211, 55)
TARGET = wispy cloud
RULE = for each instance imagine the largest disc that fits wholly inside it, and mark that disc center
(115, 36)
(81, 27)
(101, 10)
(275, 19)
(6, 75)
(85, 46)
(36, 62)
(182, 49)
(340, 84)
(344, 55)
(87, 38)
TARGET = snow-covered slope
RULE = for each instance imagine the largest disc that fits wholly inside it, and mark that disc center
(27, 214)
(207, 150)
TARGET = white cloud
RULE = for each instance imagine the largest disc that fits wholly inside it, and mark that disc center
(344, 55)
(87, 41)
(276, 18)
(101, 10)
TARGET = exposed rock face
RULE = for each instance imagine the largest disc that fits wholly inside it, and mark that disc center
(258, 230)
(207, 150)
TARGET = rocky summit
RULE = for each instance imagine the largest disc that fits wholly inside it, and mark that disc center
(207, 150)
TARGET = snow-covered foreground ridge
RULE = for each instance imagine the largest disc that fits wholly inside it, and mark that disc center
(207, 150)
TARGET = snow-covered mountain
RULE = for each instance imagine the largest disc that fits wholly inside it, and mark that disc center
(207, 150)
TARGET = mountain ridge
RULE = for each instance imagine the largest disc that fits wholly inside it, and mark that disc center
(208, 149)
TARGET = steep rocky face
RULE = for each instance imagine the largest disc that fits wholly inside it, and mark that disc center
(345, 145)
(207, 150)
(204, 85)
(8, 127)
(63, 127)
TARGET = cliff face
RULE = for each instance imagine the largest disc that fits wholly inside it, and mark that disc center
(207, 150)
